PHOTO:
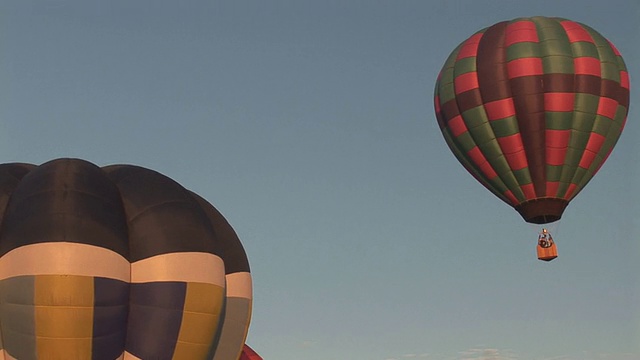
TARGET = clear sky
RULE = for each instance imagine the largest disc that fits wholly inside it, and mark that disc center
(310, 126)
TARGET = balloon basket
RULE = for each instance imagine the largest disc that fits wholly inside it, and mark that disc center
(547, 253)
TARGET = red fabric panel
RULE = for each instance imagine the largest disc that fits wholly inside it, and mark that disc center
(557, 138)
(470, 47)
(559, 101)
(436, 103)
(557, 142)
(570, 190)
(521, 31)
(555, 156)
(457, 125)
(595, 142)
(587, 159)
(575, 32)
(529, 191)
(466, 82)
(525, 67)
(552, 188)
(607, 107)
(624, 79)
(517, 160)
(511, 197)
(587, 66)
(513, 150)
(500, 109)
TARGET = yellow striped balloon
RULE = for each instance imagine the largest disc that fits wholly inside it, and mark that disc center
(119, 262)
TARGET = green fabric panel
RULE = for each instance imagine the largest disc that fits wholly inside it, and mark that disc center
(483, 134)
(608, 59)
(565, 178)
(523, 176)
(583, 48)
(583, 121)
(610, 141)
(554, 172)
(621, 65)
(577, 177)
(554, 47)
(445, 86)
(562, 189)
(18, 316)
(572, 158)
(500, 186)
(490, 149)
(451, 59)
(621, 115)
(505, 127)
(578, 141)
(464, 66)
(586, 103)
(602, 125)
(553, 43)
(465, 142)
(446, 75)
(446, 93)
(610, 71)
(499, 164)
(475, 117)
(523, 50)
(557, 120)
(557, 65)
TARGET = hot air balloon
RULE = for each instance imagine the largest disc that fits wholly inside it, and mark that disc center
(249, 354)
(532, 108)
(119, 262)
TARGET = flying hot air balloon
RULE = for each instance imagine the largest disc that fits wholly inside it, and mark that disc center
(119, 262)
(532, 108)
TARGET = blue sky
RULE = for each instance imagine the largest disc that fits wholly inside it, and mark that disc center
(310, 126)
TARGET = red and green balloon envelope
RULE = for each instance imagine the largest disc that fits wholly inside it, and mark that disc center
(116, 262)
(532, 108)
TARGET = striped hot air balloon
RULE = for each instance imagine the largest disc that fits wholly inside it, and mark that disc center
(119, 262)
(532, 108)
